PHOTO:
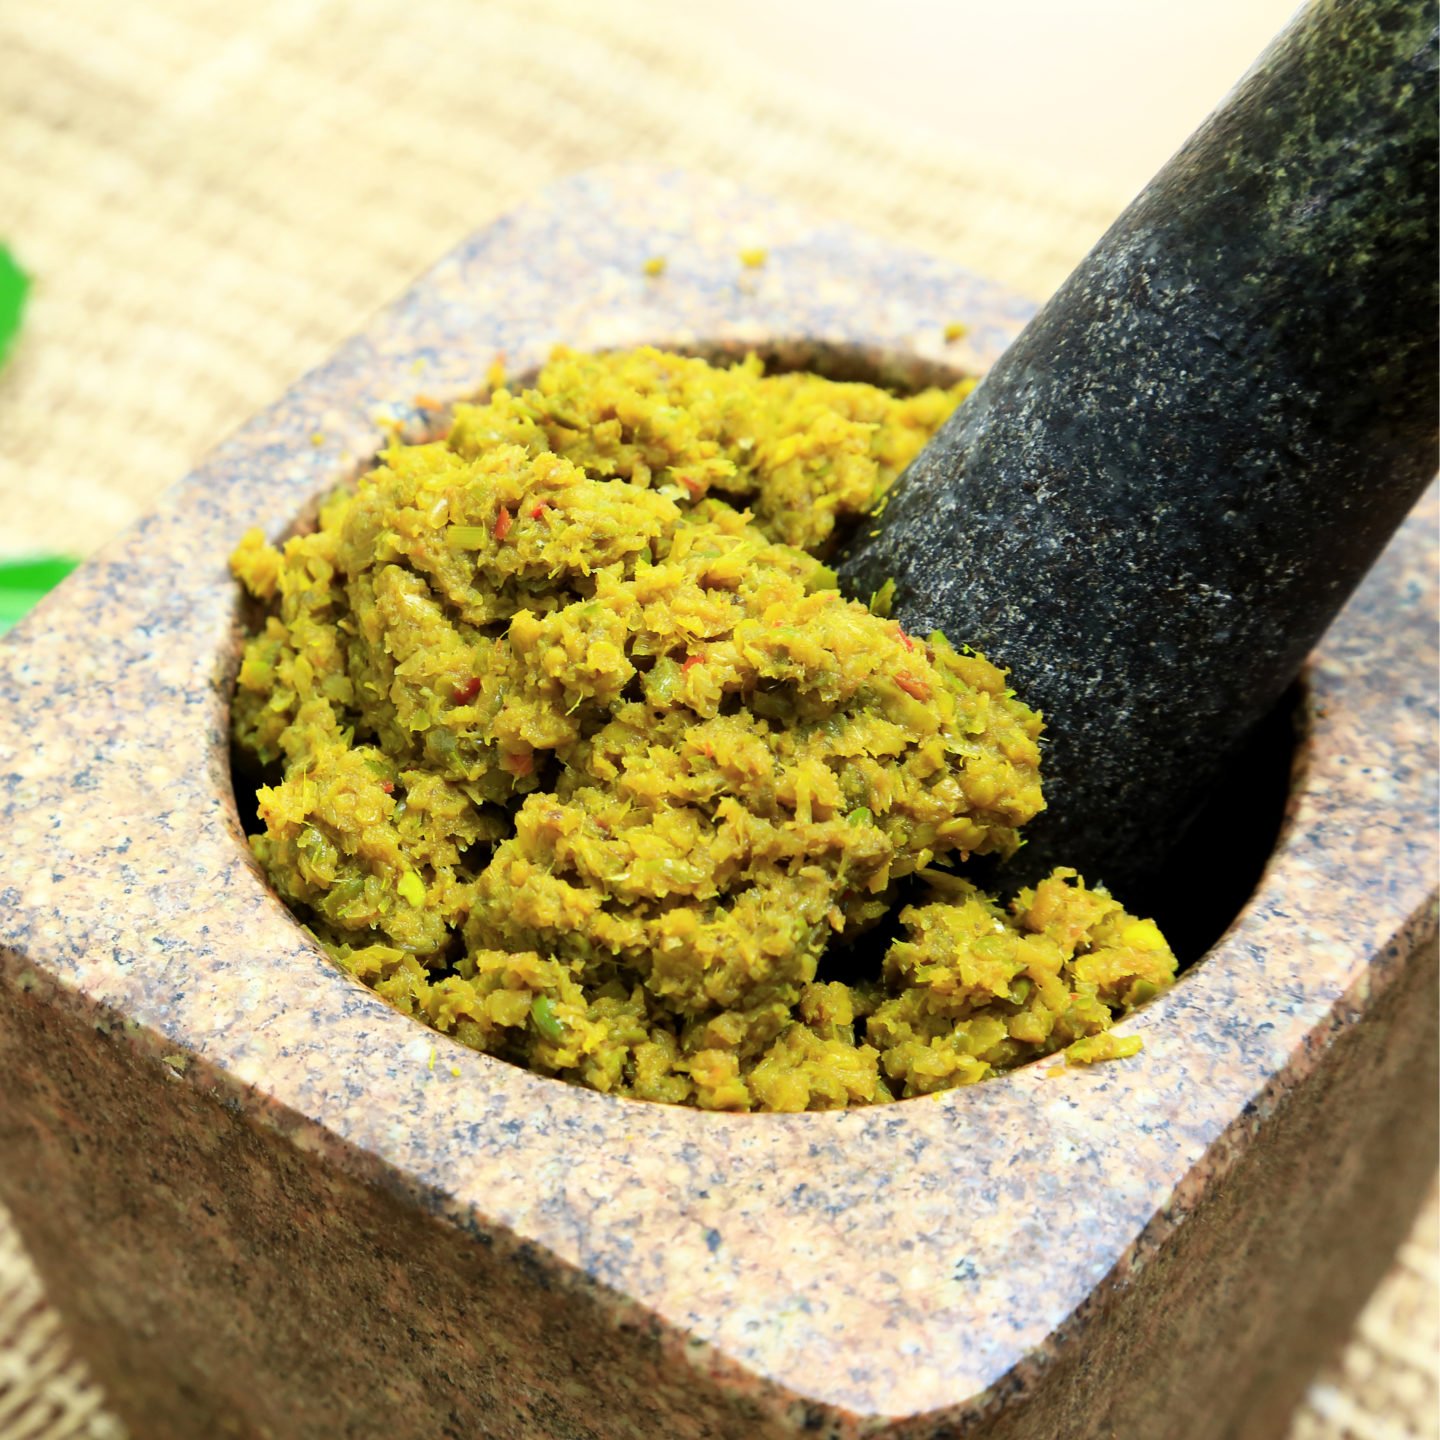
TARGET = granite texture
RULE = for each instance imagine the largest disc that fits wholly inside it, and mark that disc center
(1157, 501)
(269, 1205)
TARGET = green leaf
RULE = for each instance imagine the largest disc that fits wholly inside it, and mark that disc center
(24, 582)
(14, 286)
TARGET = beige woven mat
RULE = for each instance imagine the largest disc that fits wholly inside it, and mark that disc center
(210, 196)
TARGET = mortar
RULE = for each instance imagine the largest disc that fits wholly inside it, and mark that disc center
(269, 1205)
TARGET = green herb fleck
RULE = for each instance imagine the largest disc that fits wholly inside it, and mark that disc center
(547, 1022)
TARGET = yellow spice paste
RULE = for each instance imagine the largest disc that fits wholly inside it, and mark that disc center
(577, 754)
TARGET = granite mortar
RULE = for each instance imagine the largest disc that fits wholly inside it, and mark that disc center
(271, 1206)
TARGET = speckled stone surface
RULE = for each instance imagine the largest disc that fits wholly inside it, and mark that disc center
(1158, 500)
(271, 1206)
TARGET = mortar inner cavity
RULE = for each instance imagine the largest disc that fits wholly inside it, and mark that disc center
(560, 738)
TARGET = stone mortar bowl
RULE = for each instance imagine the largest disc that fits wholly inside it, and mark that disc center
(269, 1205)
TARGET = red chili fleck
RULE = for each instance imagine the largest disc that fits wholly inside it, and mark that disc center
(502, 523)
(540, 509)
(911, 686)
(466, 691)
(388, 786)
(693, 661)
(695, 487)
(905, 640)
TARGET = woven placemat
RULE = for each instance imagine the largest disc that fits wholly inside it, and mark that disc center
(210, 198)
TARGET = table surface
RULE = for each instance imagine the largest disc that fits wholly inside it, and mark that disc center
(209, 200)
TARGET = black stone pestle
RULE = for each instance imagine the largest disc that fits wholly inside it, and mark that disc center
(1167, 486)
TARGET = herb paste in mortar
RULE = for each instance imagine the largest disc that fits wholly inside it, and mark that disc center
(580, 757)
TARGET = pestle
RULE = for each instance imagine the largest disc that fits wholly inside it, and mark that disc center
(1158, 498)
